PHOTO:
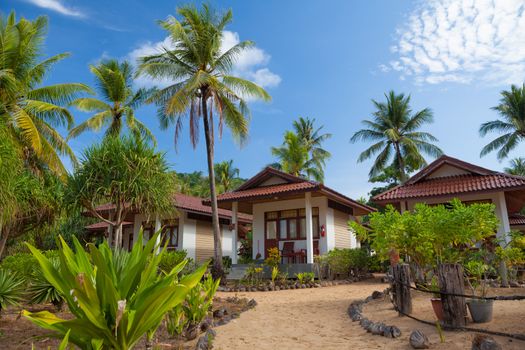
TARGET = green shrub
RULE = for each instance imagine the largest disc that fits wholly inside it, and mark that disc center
(171, 259)
(348, 261)
(42, 291)
(11, 289)
(21, 264)
(376, 264)
(113, 305)
(274, 257)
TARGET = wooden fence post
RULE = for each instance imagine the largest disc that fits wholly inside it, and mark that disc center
(451, 280)
(401, 291)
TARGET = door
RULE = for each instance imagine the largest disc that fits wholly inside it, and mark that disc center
(270, 238)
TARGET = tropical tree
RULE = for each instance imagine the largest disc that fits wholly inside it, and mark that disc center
(226, 175)
(293, 158)
(125, 172)
(119, 101)
(395, 131)
(192, 184)
(312, 138)
(31, 110)
(517, 167)
(512, 123)
(203, 88)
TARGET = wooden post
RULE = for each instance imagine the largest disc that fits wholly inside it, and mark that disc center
(402, 296)
(451, 280)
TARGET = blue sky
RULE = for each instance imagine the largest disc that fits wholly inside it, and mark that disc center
(324, 60)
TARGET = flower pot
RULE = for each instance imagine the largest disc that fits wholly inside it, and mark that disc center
(437, 305)
(480, 310)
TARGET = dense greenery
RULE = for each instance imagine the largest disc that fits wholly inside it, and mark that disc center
(204, 88)
(125, 172)
(345, 262)
(517, 167)
(512, 123)
(226, 176)
(11, 289)
(115, 297)
(398, 142)
(119, 101)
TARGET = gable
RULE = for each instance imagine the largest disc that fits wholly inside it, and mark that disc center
(447, 170)
(274, 180)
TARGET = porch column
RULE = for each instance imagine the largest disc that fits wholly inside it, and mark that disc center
(235, 233)
(503, 231)
(309, 231)
(158, 226)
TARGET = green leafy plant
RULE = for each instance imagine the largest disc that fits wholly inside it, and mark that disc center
(274, 257)
(171, 259)
(21, 264)
(275, 274)
(114, 305)
(476, 273)
(41, 291)
(245, 249)
(253, 275)
(176, 321)
(300, 277)
(199, 302)
(308, 277)
(11, 289)
(283, 278)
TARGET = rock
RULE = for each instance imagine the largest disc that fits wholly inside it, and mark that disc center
(317, 285)
(377, 295)
(192, 332)
(235, 315)
(242, 289)
(392, 332)
(303, 286)
(252, 303)
(377, 328)
(219, 313)
(365, 323)
(277, 288)
(205, 342)
(514, 284)
(484, 342)
(206, 324)
(418, 340)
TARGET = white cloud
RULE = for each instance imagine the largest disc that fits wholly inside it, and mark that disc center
(57, 6)
(462, 41)
(250, 64)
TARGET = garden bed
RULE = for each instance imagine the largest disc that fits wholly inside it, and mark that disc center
(16, 332)
(508, 318)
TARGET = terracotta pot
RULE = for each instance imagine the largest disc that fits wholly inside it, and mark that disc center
(437, 305)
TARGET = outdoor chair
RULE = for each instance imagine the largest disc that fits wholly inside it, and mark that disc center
(288, 252)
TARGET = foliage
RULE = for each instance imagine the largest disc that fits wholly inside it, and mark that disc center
(119, 101)
(517, 167)
(171, 259)
(199, 301)
(245, 248)
(226, 175)
(11, 289)
(275, 274)
(398, 141)
(125, 172)
(347, 261)
(203, 88)
(293, 158)
(512, 123)
(273, 257)
(305, 277)
(176, 321)
(42, 291)
(30, 109)
(476, 271)
(313, 139)
(432, 234)
(300, 277)
(253, 275)
(20, 264)
(114, 304)
(376, 264)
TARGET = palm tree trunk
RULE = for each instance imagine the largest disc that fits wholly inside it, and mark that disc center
(401, 164)
(217, 270)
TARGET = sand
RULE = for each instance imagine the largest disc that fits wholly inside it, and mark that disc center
(317, 319)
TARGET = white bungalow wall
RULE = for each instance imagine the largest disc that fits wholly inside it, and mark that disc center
(326, 218)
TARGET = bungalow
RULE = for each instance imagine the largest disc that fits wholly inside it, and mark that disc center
(188, 229)
(298, 216)
(447, 178)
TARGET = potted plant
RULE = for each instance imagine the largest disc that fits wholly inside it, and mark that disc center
(480, 309)
(437, 303)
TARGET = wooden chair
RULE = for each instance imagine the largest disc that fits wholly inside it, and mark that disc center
(316, 248)
(288, 251)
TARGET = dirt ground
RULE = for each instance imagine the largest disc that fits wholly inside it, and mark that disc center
(317, 319)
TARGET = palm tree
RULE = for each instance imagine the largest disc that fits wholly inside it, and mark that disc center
(312, 138)
(29, 110)
(293, 158)
(512, 123)
(517, 167)
(226, 174)
(120, 100)
(394, 128)
(202, 88)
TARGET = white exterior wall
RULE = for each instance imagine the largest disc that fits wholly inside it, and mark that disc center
(227, 241)
(258, 222)
(189, 237)
(330, 230)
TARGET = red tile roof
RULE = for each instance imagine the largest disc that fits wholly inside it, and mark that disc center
(249, 189)
(517, 219)
(479, 180)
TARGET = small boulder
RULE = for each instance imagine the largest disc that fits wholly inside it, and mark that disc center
(392, 332)
(252, 303)
(484, 342)
(377, 294)
(418, 340)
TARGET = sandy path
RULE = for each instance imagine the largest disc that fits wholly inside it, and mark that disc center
(317, 319)
(301, 319)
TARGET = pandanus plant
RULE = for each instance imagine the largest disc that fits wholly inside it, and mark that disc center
(114, 305)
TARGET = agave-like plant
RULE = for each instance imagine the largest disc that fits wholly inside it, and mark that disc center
(11, 289)
(42, 291)
(112, 309)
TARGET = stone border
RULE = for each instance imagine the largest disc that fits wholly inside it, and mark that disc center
(205, 342)
(268, 288)
(355, 311)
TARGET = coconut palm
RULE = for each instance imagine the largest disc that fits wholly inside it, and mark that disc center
(517, 167)
(395, 130)
(226, 174)
(119, 101)
(30, 110)
(512, 123)
(312, 138)
(293, 158)
(202, 88)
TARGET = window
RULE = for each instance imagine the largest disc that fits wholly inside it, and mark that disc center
(290, 224)
(148, 230)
